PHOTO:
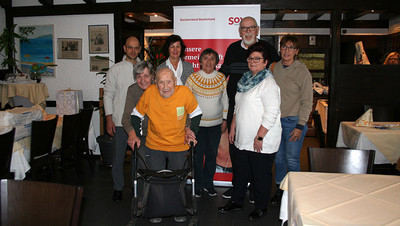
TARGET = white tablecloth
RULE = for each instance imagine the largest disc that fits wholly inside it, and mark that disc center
(21, 151)
(385, 142)
(37, 93)
(340, 199)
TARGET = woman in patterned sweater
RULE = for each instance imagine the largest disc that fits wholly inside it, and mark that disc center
(209, 88)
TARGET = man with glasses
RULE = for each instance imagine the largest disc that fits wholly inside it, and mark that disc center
(235, 64)
(119, 78)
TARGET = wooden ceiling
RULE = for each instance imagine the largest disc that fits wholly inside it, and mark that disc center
(139, 11)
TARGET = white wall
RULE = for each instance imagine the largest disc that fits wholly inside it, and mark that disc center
(74, 74)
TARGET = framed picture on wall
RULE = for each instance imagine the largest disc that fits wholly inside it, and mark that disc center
(39, 49)
(69, 48)
(98, 39)
(98, 64)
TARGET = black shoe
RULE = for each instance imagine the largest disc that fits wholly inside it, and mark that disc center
(256, 214)
(228, 193)
(211, 191)
(276, 200)
(117, 196)
(197, 193)
(229, 207)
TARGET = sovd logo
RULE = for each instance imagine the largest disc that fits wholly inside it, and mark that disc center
(234, 20)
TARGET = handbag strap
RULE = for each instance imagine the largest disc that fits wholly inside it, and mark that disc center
(272, 67)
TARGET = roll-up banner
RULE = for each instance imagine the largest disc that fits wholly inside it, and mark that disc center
(216, 27)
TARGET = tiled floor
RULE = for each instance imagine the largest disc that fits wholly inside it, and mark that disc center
(98, 208)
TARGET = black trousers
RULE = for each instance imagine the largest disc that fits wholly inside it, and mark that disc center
(260, 167)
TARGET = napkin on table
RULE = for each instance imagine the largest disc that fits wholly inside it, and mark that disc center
(365, 120)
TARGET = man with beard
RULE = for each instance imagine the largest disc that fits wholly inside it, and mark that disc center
(119, 78)
(235, 64)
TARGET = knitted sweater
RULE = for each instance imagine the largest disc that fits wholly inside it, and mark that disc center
(210, 93)
(295, 83)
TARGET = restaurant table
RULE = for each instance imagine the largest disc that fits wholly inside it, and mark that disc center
(340, 199)
(322, 108)
(21, 151)
(37, 93)
(385, 142)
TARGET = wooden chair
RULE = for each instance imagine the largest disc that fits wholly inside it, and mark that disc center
(318, 129)
(340, 160)
(39, 203)
(41, 146)
(6, 150)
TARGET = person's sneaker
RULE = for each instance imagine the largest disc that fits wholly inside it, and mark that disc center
(180, 219)
(211, 191)
(251, 197)
(197, 193)
(155, 220)
(228, 193)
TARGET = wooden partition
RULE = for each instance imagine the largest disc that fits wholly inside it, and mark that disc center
(357, 85)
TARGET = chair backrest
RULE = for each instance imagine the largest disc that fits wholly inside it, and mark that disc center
(69, 136)
(318, 129)
(7, 143)
(42, 137)
(341, 160)
(86, 117)
(39, 203)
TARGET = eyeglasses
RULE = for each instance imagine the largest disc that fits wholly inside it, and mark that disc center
(288, 48)
(136, 48)
(251, 28)
(255, 59)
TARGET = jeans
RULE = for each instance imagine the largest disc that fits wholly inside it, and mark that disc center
(288, 156)
(207, 148)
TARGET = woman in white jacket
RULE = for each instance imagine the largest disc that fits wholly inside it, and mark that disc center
(255, 131)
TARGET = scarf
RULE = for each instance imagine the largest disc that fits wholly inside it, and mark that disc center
(248, 80)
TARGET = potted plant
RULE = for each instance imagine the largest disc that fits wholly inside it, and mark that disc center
(153, 56)
(7, 44)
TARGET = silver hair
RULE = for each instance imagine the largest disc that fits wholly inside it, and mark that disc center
(140, 66)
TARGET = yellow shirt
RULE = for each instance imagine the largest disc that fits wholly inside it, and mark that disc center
(167, 117)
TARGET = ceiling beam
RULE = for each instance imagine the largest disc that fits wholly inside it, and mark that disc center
(322, 24)
(355, 14)
(315, 15)
(389, 15)
(279, 15)
(5, 3)
(138, 17)
(46, 2)
(166, 7)
(90, 1)
(165, 16)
